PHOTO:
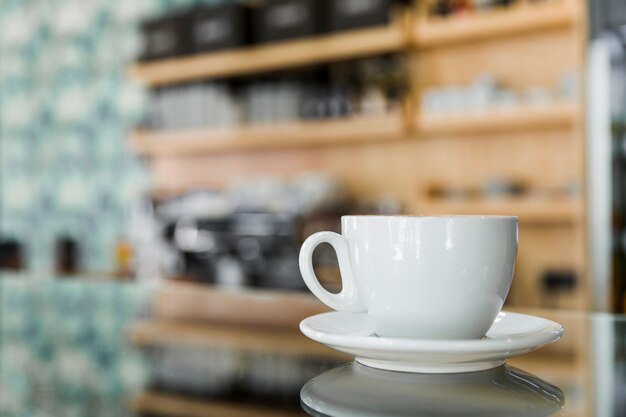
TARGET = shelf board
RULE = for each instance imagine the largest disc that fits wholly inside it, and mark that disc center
(430, 32)
(277, 56)
(529, 210)
(242, 338)
(268, 137)
(555, 366)
(348, 131)
(252, 307)
(518, 119)
(176, 405)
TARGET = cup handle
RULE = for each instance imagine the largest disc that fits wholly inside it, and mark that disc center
(348, 299)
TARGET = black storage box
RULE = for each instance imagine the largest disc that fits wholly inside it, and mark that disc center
(219, 27)
(354, 14)
(11, 257)
(277, 20)
(165, 37)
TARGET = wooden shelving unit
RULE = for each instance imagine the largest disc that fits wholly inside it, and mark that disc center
(279, 56)
(242, 338)
(177, 406)
(515, 20)
(259, 138)
(245, 320)
(529, 210)
(517, 119)
(191, 302)
(529, 44)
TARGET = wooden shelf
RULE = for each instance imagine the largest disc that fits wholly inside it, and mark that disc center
(196, 302)
(553, 116)
(549, 366)
(529, 210)
(348, 131)
(255, 138)
(430, 32)
(427, 32)
(178, 406)
(278, 56)
(242, 338)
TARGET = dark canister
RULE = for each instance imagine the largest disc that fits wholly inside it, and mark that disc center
(165, 37)
(220, 27)
(355, 14)
(278, 20)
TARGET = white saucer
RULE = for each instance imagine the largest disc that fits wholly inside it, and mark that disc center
(510, 335)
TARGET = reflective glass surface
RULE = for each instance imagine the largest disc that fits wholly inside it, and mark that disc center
(75, 347)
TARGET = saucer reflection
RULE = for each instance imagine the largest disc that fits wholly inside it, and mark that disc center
(356, 390)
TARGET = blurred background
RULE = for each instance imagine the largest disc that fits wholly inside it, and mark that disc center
(162, 161)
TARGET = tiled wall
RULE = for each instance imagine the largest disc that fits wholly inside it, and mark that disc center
(66, 106)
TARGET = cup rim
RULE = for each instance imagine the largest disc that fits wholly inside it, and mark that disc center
(437, 216)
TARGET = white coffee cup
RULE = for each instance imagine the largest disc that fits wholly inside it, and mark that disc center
(420, 276)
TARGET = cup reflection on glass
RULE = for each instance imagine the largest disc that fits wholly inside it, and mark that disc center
(355, 390)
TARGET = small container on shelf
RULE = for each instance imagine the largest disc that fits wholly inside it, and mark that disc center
(498, 187)
(355, 14)
(195, 371)
(11, 255)
(165, 37)
(279, 20)
(220, 27)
